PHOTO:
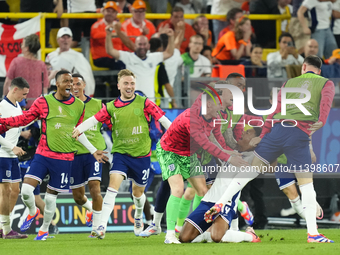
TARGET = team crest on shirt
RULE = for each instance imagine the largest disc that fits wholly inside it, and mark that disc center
(150, 65)
(8, 173)
(61, 112)
(137, 111)
(71, 180)
(172, 167)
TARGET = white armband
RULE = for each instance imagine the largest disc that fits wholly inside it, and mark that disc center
(165, 122)
(84, 141)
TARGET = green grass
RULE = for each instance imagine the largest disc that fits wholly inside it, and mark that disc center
(288, 242)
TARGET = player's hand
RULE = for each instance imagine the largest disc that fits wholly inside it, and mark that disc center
(255, 141)
(18, 151)
(212, 213)
(238, 161)
(109, 29)
(170, 32)
(26, 134)
(315, 127)
(145, 30)
(313, 156)
(9, 127)
(100, 156)
(75, 133)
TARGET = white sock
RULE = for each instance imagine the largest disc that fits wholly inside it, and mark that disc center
(108, 205)
(27, 197)
(297, 206)
(237, 184)
(149, 222)
(234, 225)
(170, 232)
(97, 215)
(6, 224)
(205, 237)
(157, 218)
(309, 207)
(232, 236)
(139, 203)
(50, 206)
(87, 205)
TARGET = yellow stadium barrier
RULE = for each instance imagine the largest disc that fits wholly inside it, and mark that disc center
(44, 16)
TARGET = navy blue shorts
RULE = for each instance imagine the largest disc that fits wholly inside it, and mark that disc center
(85, 168)
(284, 179)
(59, 171)
(134, 169)
(23, 170)
(291, 141)
(9, 170)
(196, 218)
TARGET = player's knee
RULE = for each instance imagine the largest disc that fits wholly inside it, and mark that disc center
(216, 237)
(94, 188)
(78, 197)
(26, 191)
(185, 237)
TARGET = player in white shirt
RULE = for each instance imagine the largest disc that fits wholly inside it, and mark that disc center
(224, 226)
(143, 65)
(10, 176)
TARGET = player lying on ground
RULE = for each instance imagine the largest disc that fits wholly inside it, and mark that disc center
(224, 225)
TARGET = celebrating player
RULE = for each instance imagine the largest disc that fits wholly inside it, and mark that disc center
(9, 169)
(293, 141)
(59, 113)
(131, 145)
(176, 153)
(85, 168)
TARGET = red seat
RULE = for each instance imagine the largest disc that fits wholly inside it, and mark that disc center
(222, 71)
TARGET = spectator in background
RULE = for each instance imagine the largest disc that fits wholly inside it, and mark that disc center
(80, 27)
(199, 65)
(34, 71)
(189, 7)
(232, 16)
(332, 68)
(255, 67)
(206, 52)
(295, 28)
(177, 17)
(201, 27)
(265, 30)
(321, 13)
(143, 65)
(311, 48)
(161, 76)
(74, 62)
(222, 7)
(285, 8)
(124, 6)
(234, 44)
(98, 35)
(287, 55)
(171, 64)
(138, 25)
(336, 26)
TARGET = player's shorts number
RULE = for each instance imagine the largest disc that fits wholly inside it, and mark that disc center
(145, 174)
(64, 178)
(96, 166)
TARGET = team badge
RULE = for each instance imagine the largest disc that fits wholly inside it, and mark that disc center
(71, 180)
(172, 167)
(137, 111)
(8, 173)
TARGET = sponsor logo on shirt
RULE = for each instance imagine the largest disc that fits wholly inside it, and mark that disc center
(61, 112)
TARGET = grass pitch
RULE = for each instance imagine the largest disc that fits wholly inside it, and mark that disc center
(288, 242)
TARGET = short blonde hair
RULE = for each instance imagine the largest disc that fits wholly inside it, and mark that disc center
(125, 72)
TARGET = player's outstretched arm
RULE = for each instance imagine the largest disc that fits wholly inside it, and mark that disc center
(97, 154)
(229, 138)
(165, 122)
(86, 125)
